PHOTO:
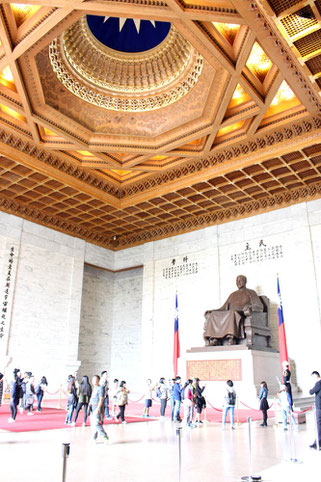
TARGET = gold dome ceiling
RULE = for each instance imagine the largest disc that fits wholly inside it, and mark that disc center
(124, 81)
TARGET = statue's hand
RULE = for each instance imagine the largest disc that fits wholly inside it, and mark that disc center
(247, 310)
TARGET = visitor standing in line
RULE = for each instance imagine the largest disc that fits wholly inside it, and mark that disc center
(96, 404)
(84, 395)
(177, 395)
(229, 403)
(171, 383)
(40, 390)
(148, 398)
(30, 394)
(264, 405)
(200, 401)
(162, 393)
(72, 398)
(15, 392)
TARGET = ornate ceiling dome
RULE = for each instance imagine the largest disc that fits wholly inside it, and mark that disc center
(162, 68)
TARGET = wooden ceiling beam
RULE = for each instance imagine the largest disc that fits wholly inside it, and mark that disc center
(243, 161)
(278, 51)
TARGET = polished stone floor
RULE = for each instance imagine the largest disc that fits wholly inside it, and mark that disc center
(149, 452)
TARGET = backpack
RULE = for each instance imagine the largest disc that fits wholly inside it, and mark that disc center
(158, 392)
(231, 397)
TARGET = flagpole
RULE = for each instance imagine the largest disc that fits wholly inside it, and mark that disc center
(176, 346)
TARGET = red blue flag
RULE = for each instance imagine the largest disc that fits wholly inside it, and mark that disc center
(176, 338)
(282, 338)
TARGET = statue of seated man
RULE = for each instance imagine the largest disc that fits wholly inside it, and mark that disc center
(227, 322)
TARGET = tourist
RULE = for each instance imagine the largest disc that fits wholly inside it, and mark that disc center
(286, 407)
(30, 394)
(189, 401)
(1, 388)
(15, 392)
(316, 391)
(105, 385)
(177, 396)
(148, 398)
(84, 395)
(162, 394)
(264, 406)
(40, 390)
(114, 391)
(200, 401)
(229, 403)
(122, 400)
(96, 404)
(72, 398)
(23, 386)
(171, 383)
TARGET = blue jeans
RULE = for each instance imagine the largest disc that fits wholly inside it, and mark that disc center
(172, 408)
(285, 413)
(176, 409)
(69, 413)
(225, 410)
(106, 403)
(39, 398)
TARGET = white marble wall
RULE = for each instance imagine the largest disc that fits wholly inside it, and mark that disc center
(127, 318)
(44, 320)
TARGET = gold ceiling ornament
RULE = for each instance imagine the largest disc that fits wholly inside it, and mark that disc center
(124, 81)
(258, 62)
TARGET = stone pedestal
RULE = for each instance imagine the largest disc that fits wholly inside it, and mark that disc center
(245, 366)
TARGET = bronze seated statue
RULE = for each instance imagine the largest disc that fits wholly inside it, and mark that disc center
(243, 319)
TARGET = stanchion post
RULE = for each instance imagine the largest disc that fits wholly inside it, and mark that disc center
(250, 477)
(65, 455)
(178, 433)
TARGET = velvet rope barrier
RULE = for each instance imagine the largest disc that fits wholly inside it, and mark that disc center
(54, 393)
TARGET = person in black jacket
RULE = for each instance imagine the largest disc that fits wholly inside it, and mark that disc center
(15, 391)
(316, 390)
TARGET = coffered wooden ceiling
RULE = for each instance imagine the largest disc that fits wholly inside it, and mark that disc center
(239, 135)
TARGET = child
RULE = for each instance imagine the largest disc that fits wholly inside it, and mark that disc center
(264, 406)
(285, 401)
(122, 400)
(229, 403)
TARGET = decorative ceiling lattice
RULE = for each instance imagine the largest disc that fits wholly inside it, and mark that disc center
(216, 120)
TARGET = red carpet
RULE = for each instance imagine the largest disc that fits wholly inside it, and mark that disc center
(47, 419)
(53, 418)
